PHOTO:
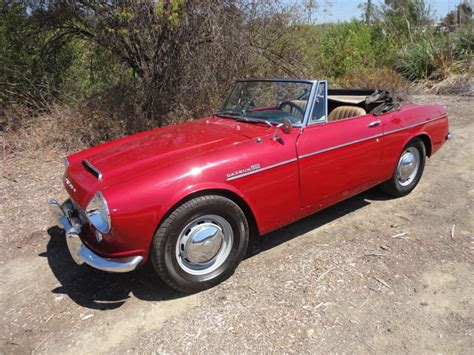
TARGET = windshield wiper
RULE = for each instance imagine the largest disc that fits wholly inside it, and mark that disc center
(235, 115)
(250, 120)
(228, 112)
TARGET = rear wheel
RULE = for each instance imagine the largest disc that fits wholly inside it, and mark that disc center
(200, 243)
(409, 169)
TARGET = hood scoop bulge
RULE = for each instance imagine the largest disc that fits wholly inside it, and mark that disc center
(92, 169)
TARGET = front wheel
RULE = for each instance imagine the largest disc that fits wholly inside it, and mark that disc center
(409, 169)
(200, 243)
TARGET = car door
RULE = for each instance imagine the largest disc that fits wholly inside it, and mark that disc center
(337, 159)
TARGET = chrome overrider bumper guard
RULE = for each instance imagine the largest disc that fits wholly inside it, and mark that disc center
(81, 253)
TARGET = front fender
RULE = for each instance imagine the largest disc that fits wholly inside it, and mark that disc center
(138, 210)
(202, 188)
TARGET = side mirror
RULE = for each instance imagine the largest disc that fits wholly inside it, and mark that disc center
(285, 127)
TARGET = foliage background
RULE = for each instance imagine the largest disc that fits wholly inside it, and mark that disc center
(76, 73)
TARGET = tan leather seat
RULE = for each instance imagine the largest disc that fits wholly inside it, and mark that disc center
(341, 112)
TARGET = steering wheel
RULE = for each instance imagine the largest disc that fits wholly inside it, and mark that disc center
(292, 105)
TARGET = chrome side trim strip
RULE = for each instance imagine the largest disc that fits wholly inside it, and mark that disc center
(339, 146)
(368, 138)
(329, 149)
(93, 169)
(262, 169)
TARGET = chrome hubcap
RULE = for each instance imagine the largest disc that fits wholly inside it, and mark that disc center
(204, 244)
(408, 166)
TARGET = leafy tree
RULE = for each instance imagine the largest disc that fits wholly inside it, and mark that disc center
(31, 68)
(405, 19)
(461, 15)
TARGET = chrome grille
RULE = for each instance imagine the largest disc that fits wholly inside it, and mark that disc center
(80, 213)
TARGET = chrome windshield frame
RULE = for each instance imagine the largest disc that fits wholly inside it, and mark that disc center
(325, 120)
(309, 106)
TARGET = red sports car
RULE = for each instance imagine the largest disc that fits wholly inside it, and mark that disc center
(188, 196)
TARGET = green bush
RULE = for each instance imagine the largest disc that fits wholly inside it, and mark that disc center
(343, 47)
(436, 56)
(415, 60)
(34, 61)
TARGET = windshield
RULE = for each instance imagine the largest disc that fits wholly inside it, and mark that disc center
(267, 101)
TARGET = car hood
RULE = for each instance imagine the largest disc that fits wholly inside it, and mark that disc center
(161, 147)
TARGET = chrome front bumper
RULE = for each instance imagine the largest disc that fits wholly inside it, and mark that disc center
(449, 136)
(81, 253)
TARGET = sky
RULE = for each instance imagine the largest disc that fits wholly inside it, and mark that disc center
(344, 10)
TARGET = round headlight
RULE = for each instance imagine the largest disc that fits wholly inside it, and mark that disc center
(98, 213)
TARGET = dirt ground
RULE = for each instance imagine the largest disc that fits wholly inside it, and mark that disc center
(337, 281)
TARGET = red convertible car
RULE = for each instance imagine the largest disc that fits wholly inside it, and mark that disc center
(188, 196)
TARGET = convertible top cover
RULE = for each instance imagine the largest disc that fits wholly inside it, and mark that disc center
(372, 100)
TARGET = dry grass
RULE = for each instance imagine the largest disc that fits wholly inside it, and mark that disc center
(87, 124)
(381, 78)
(67, 129)
(452, 85)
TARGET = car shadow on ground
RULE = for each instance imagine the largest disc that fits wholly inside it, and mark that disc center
(99, 290)
(314, 221)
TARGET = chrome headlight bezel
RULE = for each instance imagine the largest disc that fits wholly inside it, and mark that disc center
(97, 211)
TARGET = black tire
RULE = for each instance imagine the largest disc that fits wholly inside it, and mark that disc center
(163, 251)
(394, 186)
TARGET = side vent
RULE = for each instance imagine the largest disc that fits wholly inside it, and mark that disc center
(92, 169)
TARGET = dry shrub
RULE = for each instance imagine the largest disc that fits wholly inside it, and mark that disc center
(378, 78)
(60, 128)
(452, 85)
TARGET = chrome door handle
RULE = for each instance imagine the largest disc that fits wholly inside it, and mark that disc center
(374, 123)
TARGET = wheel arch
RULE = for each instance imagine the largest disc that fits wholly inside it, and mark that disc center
(231, 195)
(425, 138)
